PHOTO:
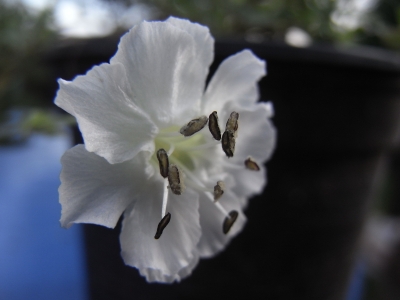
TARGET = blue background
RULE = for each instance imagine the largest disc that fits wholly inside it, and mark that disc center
(38, 258)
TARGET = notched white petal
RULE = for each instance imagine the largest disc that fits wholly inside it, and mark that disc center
(213, 240)
(258, 142)
(259, 138)
(174, 254)
(167, 65)
(95, 191)
(235, 81)
(156, 275)
(111, 124)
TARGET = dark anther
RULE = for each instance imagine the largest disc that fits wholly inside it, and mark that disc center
(228, 142)
(161, 226)
(229, 221)
(251, 164)
(175, 180)
(163, 161)
(194, 126)
(219, 190)
(213, 126)
(232, 123)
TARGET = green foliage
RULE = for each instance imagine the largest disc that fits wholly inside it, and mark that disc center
(23, 39)
(269, 17)
(384, 31)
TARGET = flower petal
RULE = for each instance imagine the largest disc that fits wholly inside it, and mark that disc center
(172, 255)
(204, 44)
(166, 65)
(95, 191)
(111, 125)
(155, 275)
(256, 134)
(213, 240)
(235, 80)
(256, 138)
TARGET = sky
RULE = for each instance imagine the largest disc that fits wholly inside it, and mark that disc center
(89, 17)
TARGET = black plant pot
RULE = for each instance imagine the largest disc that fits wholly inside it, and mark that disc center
(337, 116)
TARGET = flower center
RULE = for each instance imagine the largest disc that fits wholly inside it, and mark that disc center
(181, 151)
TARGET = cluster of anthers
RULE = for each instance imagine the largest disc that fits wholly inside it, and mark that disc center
(173, 175)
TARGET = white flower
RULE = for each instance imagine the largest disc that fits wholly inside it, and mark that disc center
(129, 109)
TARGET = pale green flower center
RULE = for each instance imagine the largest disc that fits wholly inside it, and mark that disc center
(179, 151)
(184, 151)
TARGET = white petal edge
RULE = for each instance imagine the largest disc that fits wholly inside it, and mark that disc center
(235, 81)
(166, 69)
(154, 275)
(256, 133)
(172, 254)
(213, 240)
(204, 43)
(111, 124)
(95, 191)
(256, 139)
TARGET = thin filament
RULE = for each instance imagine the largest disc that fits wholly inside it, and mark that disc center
(165, 199)
(171, 149)
(217, 204)
(201, 185)
(200, 147)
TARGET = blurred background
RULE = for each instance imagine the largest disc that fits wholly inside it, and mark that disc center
(334, 78)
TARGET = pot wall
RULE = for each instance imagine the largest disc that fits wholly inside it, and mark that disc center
(337, 119)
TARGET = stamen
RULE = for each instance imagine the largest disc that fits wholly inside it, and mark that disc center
(171, 134)
(165, 199)
(228, 142)
(171, 149)
(232, 123)
(175, 180)
(196, 183)
(251, 164)
(213, 126)
(189, 148)
(219, 190)
(194, 126)
(161, 226)
(163, 162)
(229, 221)
(217, 204)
